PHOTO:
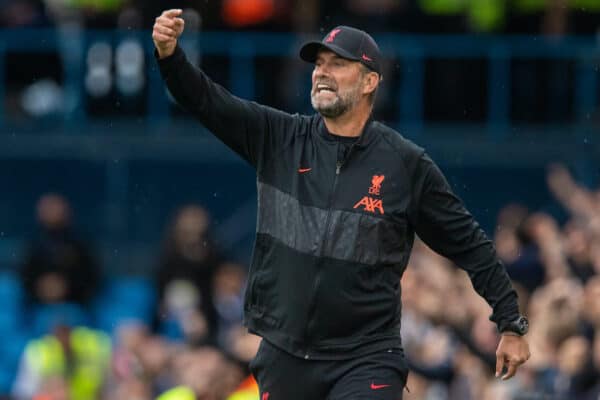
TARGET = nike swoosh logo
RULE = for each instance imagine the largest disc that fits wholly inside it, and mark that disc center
(303, 170)
(375, 387)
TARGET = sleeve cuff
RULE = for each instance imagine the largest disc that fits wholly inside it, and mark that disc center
(166, 63)
(507, 320)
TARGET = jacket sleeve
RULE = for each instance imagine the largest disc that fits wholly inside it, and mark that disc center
(444, 224)
(252, 130)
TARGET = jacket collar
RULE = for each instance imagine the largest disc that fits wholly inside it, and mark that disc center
(366, 136)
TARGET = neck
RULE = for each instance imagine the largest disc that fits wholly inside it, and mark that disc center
(349, 124)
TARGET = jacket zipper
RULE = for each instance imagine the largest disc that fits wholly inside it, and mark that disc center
(312, 303)
(311, 308)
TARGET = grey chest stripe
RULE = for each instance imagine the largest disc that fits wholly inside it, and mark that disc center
(351, 236)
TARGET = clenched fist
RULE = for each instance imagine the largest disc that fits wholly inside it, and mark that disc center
(167, 28)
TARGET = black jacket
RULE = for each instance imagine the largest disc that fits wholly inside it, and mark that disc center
(333, 239)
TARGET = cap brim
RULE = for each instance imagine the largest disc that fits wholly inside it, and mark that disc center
(309, 51)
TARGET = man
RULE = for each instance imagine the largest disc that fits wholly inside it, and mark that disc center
(58, 266)
(340, 198)
(71, 359)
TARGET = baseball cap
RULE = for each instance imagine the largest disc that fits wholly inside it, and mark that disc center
(347, 42)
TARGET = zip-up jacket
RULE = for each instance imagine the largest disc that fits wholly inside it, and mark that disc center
(333, 238)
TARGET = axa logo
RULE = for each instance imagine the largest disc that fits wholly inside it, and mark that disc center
(265, 396)
(371, 204)
(332, 35)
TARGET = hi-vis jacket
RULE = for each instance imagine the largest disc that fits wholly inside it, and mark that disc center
(85, 370)
(333, 238)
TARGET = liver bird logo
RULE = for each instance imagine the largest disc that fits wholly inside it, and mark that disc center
(376, 181)
(332, 35)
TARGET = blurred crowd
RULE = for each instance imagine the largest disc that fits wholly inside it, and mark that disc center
(192, 337)
(116, 81)
(556, 269)
(192, 345)
(432, 16)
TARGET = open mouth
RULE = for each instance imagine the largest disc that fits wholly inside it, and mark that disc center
(321, 87)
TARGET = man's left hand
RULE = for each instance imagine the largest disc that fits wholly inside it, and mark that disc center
(512, 351)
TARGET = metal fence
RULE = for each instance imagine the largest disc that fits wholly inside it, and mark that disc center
(408, 53)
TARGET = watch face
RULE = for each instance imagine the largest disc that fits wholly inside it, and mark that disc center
(523, 325)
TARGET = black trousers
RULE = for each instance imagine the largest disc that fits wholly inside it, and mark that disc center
(376, 376)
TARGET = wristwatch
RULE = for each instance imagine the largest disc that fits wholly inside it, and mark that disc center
(519, 326)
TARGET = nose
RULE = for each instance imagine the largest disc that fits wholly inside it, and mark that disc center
(320, 70)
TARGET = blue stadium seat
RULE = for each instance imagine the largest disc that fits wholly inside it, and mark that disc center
(44, 317)
(7, 378)
(10, 321)
(110, 316)
(10, 285)
(11, 349)
(124, 299)
(131, 290)
(11, 298)
(171, 329)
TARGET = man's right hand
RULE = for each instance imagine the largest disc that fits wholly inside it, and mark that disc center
(167, 28)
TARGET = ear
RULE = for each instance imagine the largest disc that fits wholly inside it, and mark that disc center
(371, 81)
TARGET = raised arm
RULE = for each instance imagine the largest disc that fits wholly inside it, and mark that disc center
(447, 227)
(254, 131)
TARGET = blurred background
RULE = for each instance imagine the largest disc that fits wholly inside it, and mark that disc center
(126, 228)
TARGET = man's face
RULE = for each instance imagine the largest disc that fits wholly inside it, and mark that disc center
(337, 84)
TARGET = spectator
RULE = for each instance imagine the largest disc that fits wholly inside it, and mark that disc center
(518, 249)
(578, 248)
(228, 285)
(186, 274)
(594, 392)
(140, 364)
(71, 359)
(58, 266)
(204, 374)
(579, 201)
(591, 306)
(154, 355)
(545, 236)
(53, 389)
(576, 374)
(126, 363)
(133, 389)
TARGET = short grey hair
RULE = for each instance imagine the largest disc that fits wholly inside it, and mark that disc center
(366, 70)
